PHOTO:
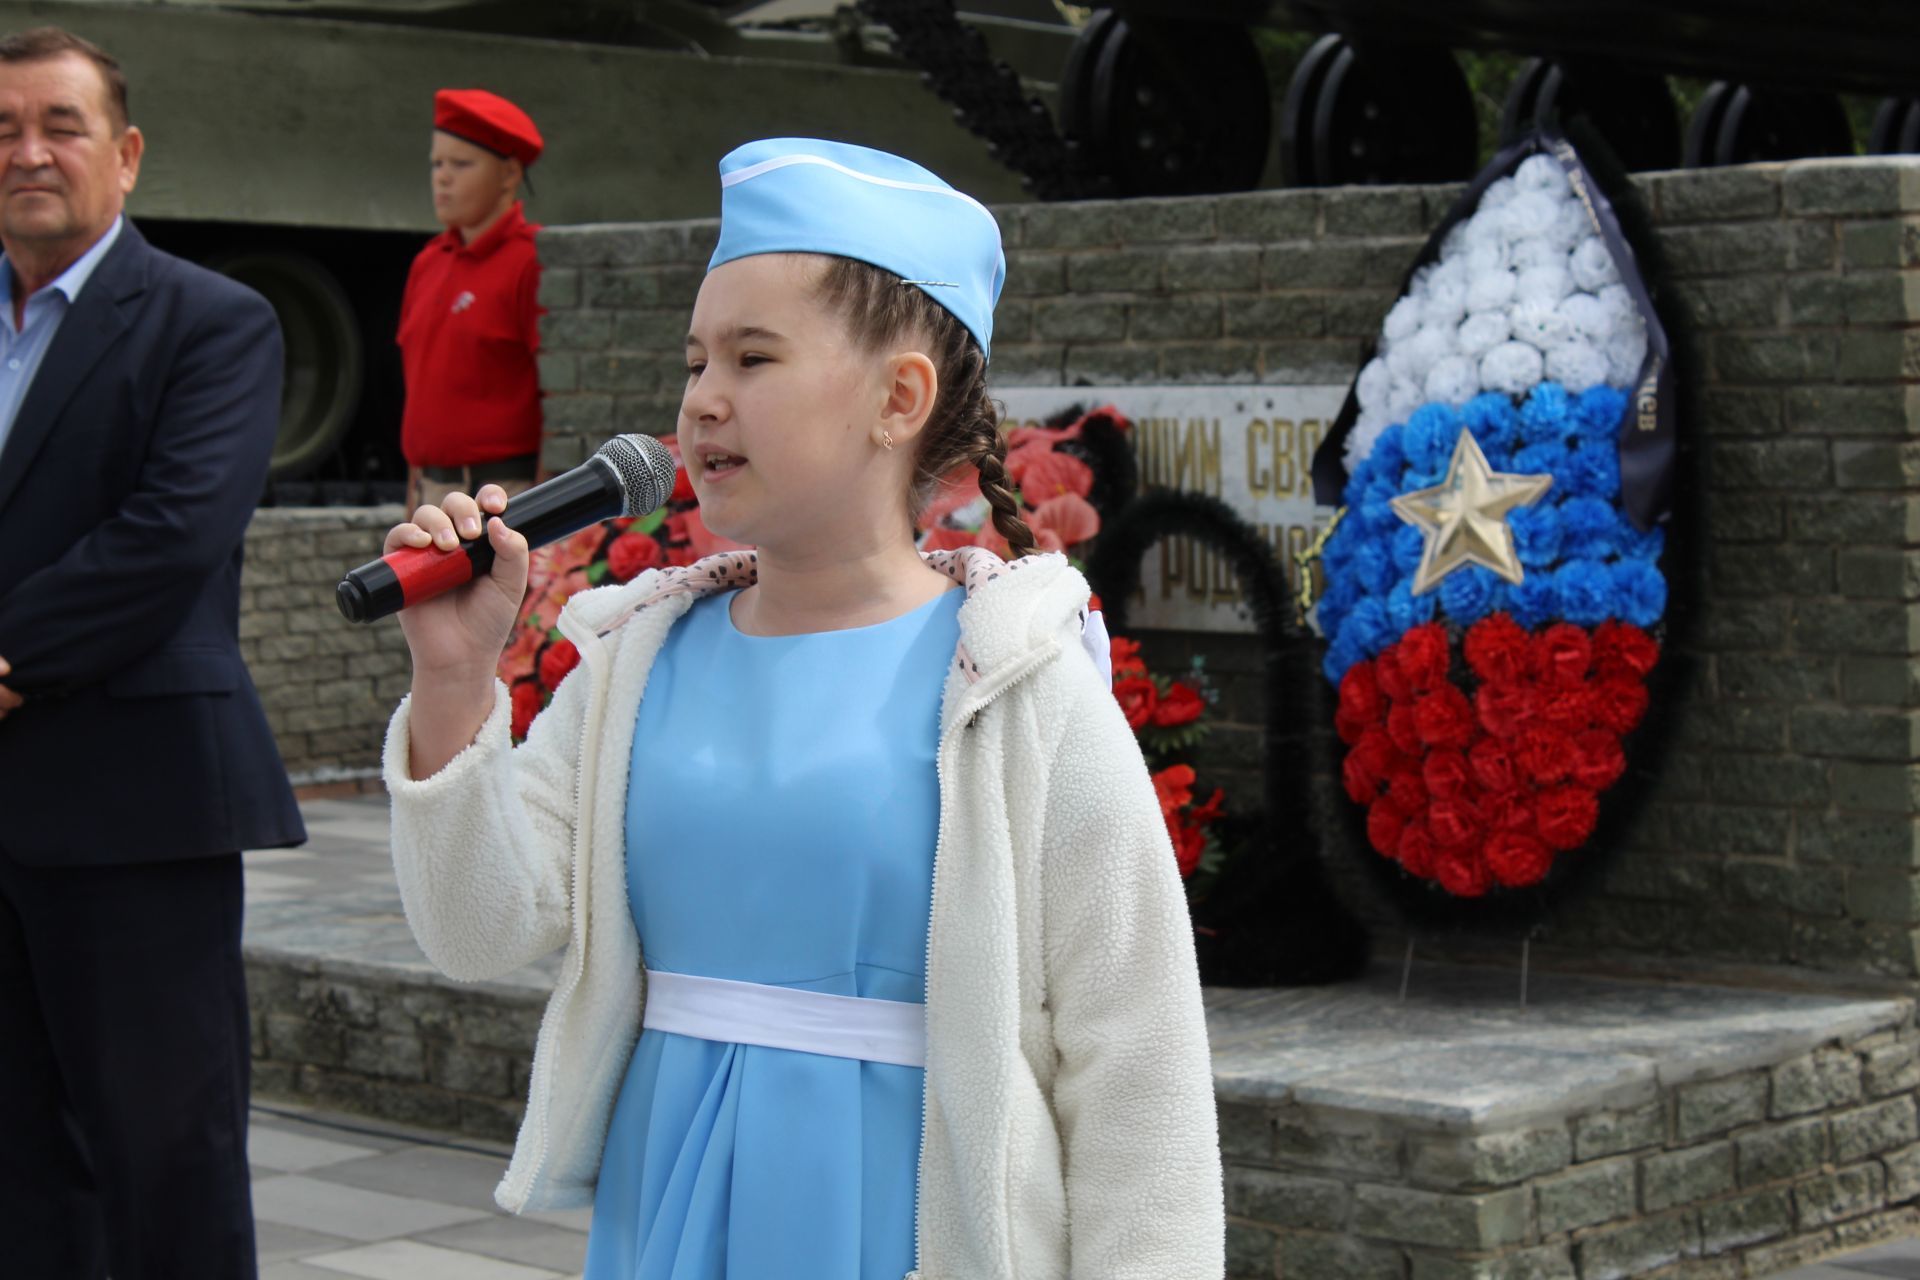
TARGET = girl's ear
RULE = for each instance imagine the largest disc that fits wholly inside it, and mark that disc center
(913, 384)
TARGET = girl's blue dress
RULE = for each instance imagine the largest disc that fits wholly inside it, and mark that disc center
(782, 814)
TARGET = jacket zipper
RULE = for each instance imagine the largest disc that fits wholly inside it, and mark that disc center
(577, 961)
(962, 721)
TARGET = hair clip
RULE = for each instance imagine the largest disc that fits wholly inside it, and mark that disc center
(940, 284)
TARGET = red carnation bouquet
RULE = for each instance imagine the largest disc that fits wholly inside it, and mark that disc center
(1166, 716)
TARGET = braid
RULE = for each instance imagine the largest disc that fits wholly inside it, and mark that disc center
(964, 427)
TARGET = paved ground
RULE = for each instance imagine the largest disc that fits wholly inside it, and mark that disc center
(340, 1195)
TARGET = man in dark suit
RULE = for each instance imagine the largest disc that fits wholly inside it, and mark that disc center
(138, 401)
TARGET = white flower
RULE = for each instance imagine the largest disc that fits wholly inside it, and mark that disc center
(1359, 443)
(1541, 173)
(1485, 258)
(1500, 191)
(1592, 266)
(1626, 351)
(1547, 283)
(1577, 365)
(1402, 400)
(1456, 379)
(1403, 320)
(1540, 325)
(1410, 360)
(1621, 310)
(1571, 225)
(1588, 316)
(1512, 367)
(1530, 215)
(1491, 291)
(1536, 252)
(1374, 385)
(1483, 331)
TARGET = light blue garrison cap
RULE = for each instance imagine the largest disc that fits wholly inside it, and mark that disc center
(806, 195)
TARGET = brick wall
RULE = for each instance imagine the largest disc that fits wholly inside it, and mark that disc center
(328, 686)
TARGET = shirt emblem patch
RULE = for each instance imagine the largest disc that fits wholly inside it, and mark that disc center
(462, 302)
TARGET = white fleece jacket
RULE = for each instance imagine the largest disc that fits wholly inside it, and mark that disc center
(1069, 1127)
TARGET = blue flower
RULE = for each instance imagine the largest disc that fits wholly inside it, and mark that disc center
(1432, 431)
(1368, 626)
(1356, 491)
(1585, 591)
(1542, 460)
(1533, 601)
(1597, 416)
(1593, 469)
(1423, 479)
(1536, 534)
(1338, 553)
(1341, 654)
(1409, 545)
(1547, 415)
(1388, 456)
(1373, 567)
(1587, 526)
(1635, 545)
(1640, 590)
(1491, 418)
(1467, 594)
(1406, 610)
(1377, 518)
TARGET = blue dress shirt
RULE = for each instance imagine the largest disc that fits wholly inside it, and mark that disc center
(22, 349)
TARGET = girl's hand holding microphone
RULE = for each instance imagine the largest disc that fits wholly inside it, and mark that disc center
(456, 637)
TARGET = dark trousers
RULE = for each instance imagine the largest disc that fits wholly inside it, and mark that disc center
(123, 1072)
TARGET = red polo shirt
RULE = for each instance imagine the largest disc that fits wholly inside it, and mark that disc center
(469, 331)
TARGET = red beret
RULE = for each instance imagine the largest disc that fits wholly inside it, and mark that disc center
(487, 120)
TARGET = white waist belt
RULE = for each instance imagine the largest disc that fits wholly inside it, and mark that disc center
(784, 1018)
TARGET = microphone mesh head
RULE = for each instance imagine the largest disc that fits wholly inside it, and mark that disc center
(645, 469)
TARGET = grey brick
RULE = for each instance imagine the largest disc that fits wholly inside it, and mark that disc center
(1633, 1250)
(1844, 1193)
(1804, 890)
(392, 1057)
(1288, 1200)
(1276, 315)
(1147, 221)
(1725, 249)
(1884, 410)
(1337, 264)
(1251, 1253)
(1210, 269)
(1817, 1081)
(1485, 1221)
(1313, 1256)
(1816, 301)
(1740, 411)
(1788, 357)
(1032, 364)
(559, 371)
(1744, 1220)
(1714, 1106)
(1744, 517)
(1070, 225)
(1903, 1175)
(1874, 1129)
(1306, 361)
(1728, 829)
(1375, 211)
(1032, 273)
(1108, 365)
(1173, 319)
(1357, 314)
(1585, 1195)
(559, 452)
(1246, 1132)
(1546, 1262)
(1737, 302)
(1326, 1142)
(588, 415)
(469, 1070)
(1874, 355)
(1892, 1068)
(1739, 569)
(661, 333)
(630, 287)
(1878, 572)
(1856, 626)
(1715, 195)
(1879, 297)
(559, 288)
(1888, 788)
(1685, 1176)
(1782, 1151)
(1856, 733)
(1862, 465)
(1774, 677)
(1855, 946)
(576, 331)
(1880, 840)
(1267, 215)
(1607, 1133)
(1488, 1159)
(1850, 185)
(1114, 271)
(1741, 625)
(1210, 362)
(1788, 1254)
(1892, 897)
(1080, 321)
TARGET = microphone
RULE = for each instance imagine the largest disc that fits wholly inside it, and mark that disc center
(629, 476)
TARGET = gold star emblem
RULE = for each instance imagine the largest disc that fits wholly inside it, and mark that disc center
(1465, 516)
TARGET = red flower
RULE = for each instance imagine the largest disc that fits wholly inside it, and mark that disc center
(1508, 811)
(1385, 822)
(1181, 706)
(1423, 656)
(1516, 859)
(1618, 704)
(1569, 710)
(1600, 761)
(560, 658)
(1498, 650)
(1416, 849)
(1407, 789)
(1043, 472)
(944, 539)
(1504, 709)
(1126, 657)
(1065, 520)
(1138, 698)
(1392, 680)
(1189, 843)
(1563, 653)
(1462, 873)
(1174, 786)
(1546, 755)
(1493, 765)
(526, 705)
(1361, 704)
(1443, 717)
(1565, 816)
(959, 488)
(1367, 764)
(1455, 824)
(1201, 814)
(630, 553)
(682, 486)
(1623, 650)
(1445, 773)
(1402, 728)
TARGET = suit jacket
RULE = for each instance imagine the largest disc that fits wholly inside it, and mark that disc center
(126, 486)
